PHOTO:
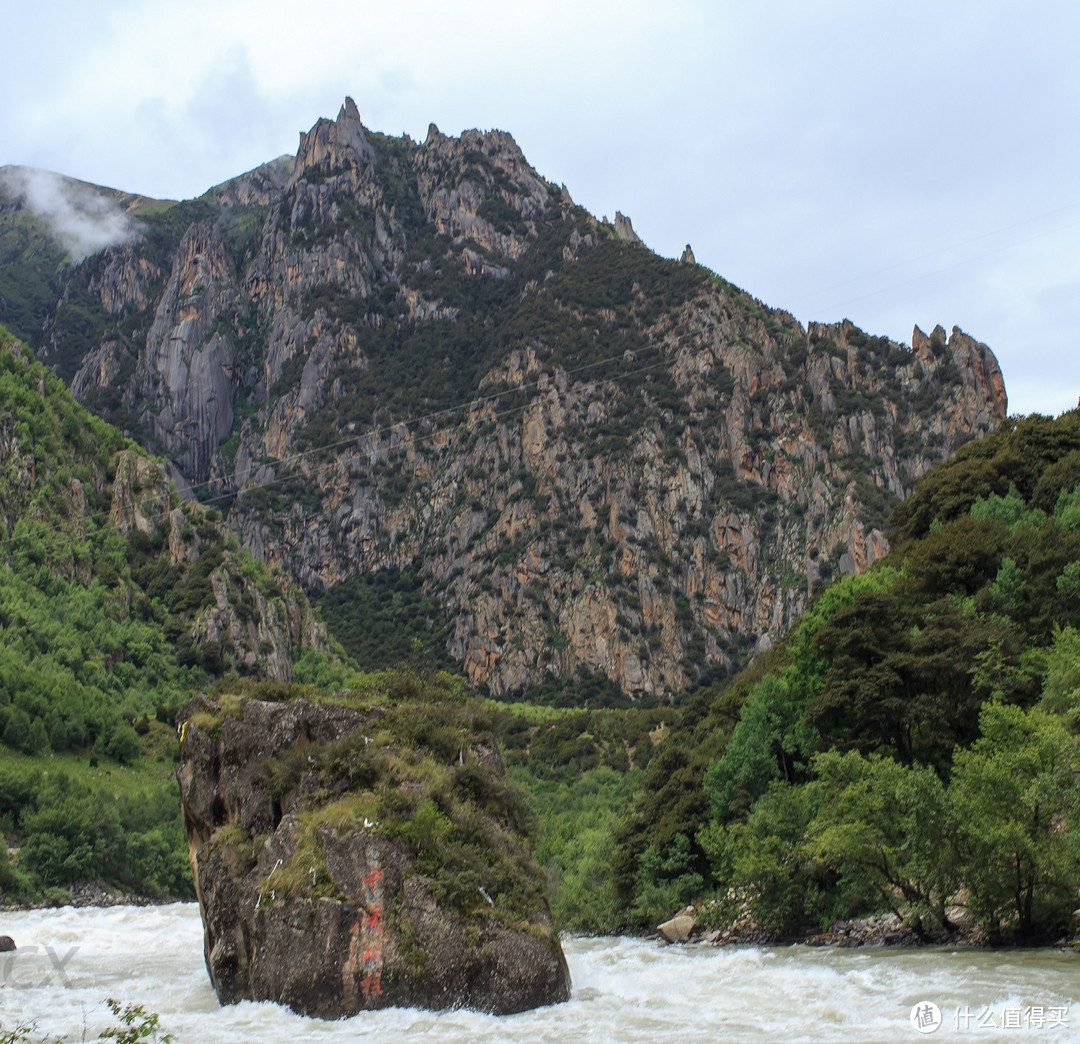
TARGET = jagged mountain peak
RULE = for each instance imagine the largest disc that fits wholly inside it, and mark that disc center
(349, 113)
(333, 145)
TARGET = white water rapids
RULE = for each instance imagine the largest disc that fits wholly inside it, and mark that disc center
(70, 960)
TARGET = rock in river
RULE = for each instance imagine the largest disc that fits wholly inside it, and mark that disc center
(363, 854)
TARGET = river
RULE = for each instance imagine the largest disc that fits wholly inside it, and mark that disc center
(70, 960)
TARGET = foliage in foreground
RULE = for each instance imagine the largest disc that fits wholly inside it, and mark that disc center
(136, 1024)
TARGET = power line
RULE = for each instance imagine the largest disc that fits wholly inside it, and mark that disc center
(420, 440)
(423, 418)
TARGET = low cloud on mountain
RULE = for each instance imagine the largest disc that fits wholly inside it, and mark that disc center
(82, 217)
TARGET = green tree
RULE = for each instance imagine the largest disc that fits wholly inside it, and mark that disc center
(1016, 798)
(867, 687)
(769, 742)
(670, 801)
(1061, 684)
(958, 557)
(1010, 510)
(666, 880)
(123, 743)
(17, 730)
(764, 864)
(37, 740)
(900, 676)
(889, 824)
(1061, 475)
(9, 879)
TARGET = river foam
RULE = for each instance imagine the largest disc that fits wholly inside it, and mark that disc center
(625, 990)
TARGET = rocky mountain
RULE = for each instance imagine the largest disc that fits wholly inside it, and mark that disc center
(422, 359)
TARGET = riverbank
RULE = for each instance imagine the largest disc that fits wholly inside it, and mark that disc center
(85, 894)
(691, 925)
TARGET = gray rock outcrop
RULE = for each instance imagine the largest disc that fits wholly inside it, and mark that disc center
(624, 228)
(678, 928)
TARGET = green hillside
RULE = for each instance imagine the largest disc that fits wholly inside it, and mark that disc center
(32, 266)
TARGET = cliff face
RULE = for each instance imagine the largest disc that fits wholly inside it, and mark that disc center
(424, 356)
(345, 863)
(246, 619)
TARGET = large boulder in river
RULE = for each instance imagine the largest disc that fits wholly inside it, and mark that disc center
(679, 927)
(363, 854)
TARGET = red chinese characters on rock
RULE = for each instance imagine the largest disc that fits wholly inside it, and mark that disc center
(371, 955)
(365, 960)
(371, 986)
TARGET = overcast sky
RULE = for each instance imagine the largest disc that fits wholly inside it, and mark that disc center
(892, 163)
